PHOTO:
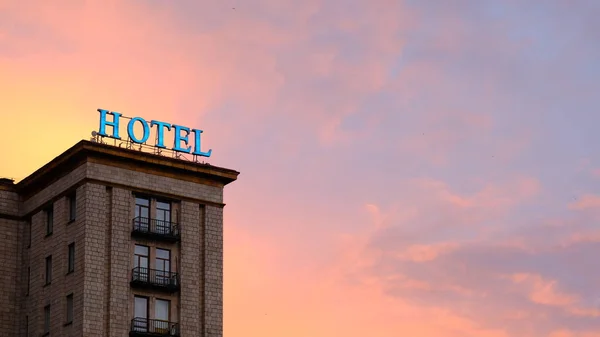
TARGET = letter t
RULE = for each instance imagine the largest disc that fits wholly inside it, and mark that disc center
(160, 132)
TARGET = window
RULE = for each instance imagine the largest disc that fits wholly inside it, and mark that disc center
(163, 211)
(47, 319)
(142, 213)
(163, 265)
(26, 326)
(140, 322)
(28, 280)
(70, 308)
(163, 217)
(140, 263)
(48, 269)
(161, 310)
(72, 207)
(161, 316)
(142, 207)
(71, 261)
(29, 233)
(49, 220)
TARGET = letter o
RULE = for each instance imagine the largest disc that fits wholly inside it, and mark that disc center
(145, 128)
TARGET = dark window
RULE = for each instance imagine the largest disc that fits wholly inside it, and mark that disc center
(28, 280)
(29, 233)
(72, 207)
(47, 319)
(49, 269)
(49, 220)
(70, 308)
(71, 261)
(26, 326)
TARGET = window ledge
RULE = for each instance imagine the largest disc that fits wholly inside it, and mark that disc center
(71, 221)
(47, 284)
(68, 323)
(48, 234)
(69, 272)
(46, 334)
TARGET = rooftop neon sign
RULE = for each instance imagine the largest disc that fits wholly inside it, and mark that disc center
(181, 141)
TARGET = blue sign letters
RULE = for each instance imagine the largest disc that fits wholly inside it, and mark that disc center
(145, 128)
(104, 123)
(182, 133)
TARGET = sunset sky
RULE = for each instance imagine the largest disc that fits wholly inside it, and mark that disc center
(408, 168)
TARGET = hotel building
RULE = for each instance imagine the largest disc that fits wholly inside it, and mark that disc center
(113, 242)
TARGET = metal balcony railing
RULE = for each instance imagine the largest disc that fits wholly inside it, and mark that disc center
(154, 279)
(155, 228)
(142, 327)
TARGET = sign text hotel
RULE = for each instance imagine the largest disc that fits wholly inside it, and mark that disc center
(181, 142)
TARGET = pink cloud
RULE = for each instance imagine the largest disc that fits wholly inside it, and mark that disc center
(585, 202)
(544, 291)
(568, 333)
(547, 292)
(398, 255)
(424, 256)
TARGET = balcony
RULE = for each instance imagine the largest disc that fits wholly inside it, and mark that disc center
(143, 327)
(152, 279)
(154, 229)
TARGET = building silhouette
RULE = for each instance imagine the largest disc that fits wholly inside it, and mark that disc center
(107, 241)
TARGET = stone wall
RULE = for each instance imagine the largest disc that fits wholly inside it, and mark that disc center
(62, 283)
(103, 297)
(213, 289)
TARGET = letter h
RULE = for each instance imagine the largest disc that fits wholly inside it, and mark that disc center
(104, 123)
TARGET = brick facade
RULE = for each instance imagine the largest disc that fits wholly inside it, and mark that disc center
(105, 182)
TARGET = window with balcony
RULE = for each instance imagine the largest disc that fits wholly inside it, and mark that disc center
(71, 258)
(48, 269)
(159, 277)
(159, 325)
(153, 220)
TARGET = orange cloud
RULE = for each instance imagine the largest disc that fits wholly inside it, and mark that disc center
(422, 253)
(285, 92)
